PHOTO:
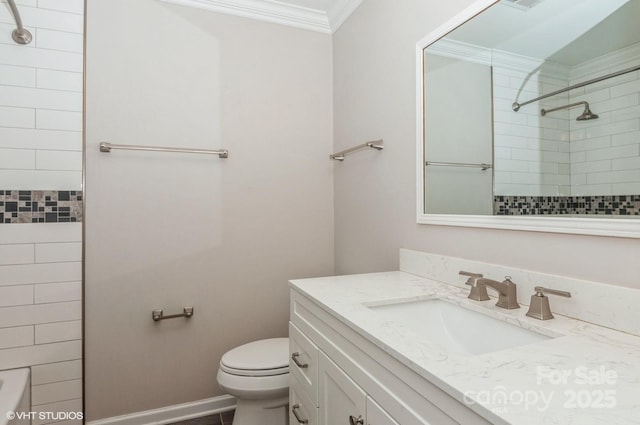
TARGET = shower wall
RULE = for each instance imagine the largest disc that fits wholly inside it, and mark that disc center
(167, 230)
(605, 153)
(40, 196)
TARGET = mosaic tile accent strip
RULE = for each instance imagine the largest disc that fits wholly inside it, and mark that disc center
(567, 205)
(40, 206)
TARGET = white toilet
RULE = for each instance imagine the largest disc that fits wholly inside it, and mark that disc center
(257, 374)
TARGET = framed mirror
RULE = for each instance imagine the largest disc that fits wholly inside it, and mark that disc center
(529, 117)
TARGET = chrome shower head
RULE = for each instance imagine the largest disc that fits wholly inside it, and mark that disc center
(586, 115)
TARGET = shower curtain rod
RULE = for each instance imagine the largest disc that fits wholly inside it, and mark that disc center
(516, 106)
(20, 35)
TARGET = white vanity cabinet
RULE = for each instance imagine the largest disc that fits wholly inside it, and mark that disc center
(339, 377)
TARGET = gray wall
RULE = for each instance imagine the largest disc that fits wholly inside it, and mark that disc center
(375, 198)
(170, 230)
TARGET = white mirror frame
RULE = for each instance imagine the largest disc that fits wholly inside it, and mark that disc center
(619, 227)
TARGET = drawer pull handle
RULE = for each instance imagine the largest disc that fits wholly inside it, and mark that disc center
(294, 410)
(294, 357)
(356, 421)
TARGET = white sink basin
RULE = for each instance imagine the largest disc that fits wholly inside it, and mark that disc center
(457, 329)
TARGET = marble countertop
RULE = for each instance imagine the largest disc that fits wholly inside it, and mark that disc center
(586, 374)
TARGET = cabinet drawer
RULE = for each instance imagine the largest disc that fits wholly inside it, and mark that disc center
(340, 398)
(302, 411)
(303, 362)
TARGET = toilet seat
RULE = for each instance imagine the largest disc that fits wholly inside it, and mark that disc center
(267, 357)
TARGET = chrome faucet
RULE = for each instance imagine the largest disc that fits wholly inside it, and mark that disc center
(507, 291)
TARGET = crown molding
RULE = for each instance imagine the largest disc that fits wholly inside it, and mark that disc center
(278, 12)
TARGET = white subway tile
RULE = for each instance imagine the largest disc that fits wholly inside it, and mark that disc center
(58, 292)
(625, 176)
(525, 154)
(591, 167)
(626, 163)
(58, 40)
(38, 354)
(592, 190)
(623, 89)
(40, 273)
(625, 138)
(511, 165)
(47, 333)
(52, 412)
(614, 128)
(594, 96)
(562, 169)
(27, 97)
(544, 167)
(626, 113)
(50, 19)
(510, 141)
(625, 151)
(71, 6)
(58, 252)
(12, 54)
(58, 120)
(626, 188)
(578, 179)
(17, 76)
(556, 179)
(501, 177)
(59, 80)
(591, 144)
(41, 233)
(11, 296)
(501, 152)
(59, 160)
(626, 101)
(16, 254)
(559, 157)
(17, 117)
(42, 179)
(55, 392)
(16, 337)
(577, 157)
(17, 159)
(40, 313)
(55, 372)
(526, 178)
(554, 134)
(23, 138)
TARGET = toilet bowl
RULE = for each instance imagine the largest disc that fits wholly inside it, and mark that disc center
(257, 374)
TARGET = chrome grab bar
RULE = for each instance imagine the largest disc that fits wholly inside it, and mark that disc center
(158, 315)
(294, 357)
(483, 166)
(107, 147)
(375, 144)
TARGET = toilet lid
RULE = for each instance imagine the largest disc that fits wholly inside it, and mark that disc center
(258, 358)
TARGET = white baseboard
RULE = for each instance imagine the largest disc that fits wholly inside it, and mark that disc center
(175, 413)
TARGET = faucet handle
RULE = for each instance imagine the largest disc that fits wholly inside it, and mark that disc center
(539, 305)
(540, 291)
(471, 280)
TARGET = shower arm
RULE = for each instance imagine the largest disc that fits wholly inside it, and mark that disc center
(543, 112)
(20, 35)
(516, 106)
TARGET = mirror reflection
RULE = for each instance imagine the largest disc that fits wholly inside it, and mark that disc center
(532, 108)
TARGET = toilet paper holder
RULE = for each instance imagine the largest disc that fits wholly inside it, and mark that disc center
(158, 315)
